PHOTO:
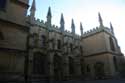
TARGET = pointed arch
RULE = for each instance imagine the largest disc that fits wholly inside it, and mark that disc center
(115, 62)
(1, 35)
(57, 67)
(82, 62)
(112, 46)
(43, 39)
(88, 68)
(71, 66)
(59, 44)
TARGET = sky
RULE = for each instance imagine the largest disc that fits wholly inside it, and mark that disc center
(86, 11)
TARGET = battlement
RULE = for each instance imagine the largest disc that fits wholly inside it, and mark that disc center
(77, 36)
(36, 21)
(96, 30)
(40, 23)
(67, 33)
(55, 28)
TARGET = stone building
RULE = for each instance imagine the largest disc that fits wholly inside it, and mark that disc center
(13, 38)
(37, 50)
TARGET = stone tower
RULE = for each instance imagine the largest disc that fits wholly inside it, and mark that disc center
(14, 11)
(101, 52)
(13, 33)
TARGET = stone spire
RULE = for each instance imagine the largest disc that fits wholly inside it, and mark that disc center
(81, 28)
(49, 16)
(32, 11)
(100, 20)
(73, 27)
(112, 29)
(62, 23)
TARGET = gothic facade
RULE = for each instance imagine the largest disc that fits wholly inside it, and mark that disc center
(37, 50)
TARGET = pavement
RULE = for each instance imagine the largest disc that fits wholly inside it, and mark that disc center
(87, 81)
(73, 81)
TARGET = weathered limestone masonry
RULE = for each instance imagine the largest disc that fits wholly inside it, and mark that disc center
(102, 54)
(36, 50)
(56, 45)
(13, 38)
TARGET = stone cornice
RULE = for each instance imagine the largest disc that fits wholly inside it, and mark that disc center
(22, 27)
(104, 52)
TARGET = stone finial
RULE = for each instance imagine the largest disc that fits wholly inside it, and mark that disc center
(81, 28)
(112, 29)
(73, 27)
(62, 23)
(100, 19)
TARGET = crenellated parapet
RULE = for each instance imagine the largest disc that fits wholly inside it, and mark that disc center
(55, 28)
(97, 30)
(75, 36)
(40, 23)
(35, 21)
(67, 33)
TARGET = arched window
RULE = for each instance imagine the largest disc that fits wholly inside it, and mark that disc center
(53, 43)
(39, 63)
(59, 44)
(57, 67)
(112, 47)
(71, 47)
(2, 4)
(88, 68)
(115, 62)
(81, 49)
(82, 65)
(35, 38)
(43, 38)
(1, 36)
